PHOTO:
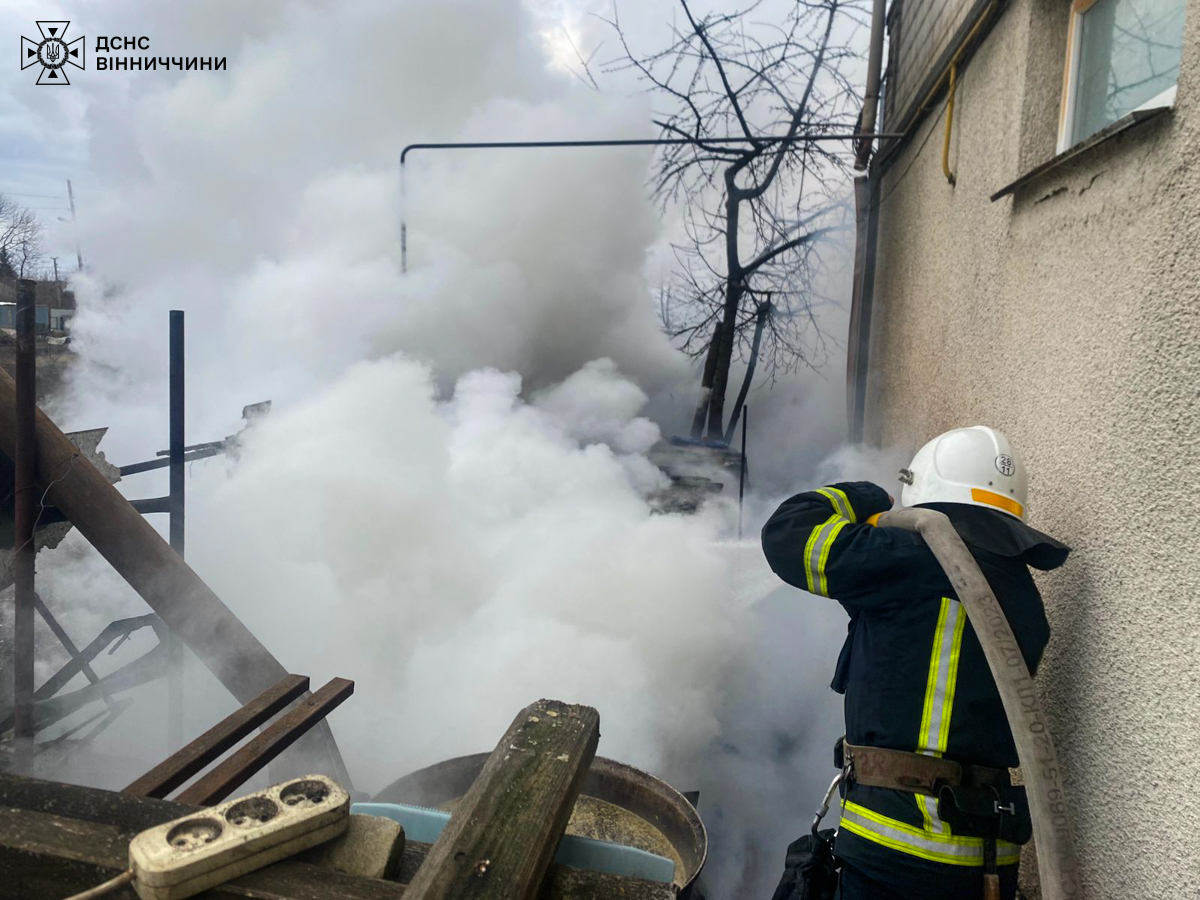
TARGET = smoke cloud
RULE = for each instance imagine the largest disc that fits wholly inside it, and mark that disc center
(448, 502)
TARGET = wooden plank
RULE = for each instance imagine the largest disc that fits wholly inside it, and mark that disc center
(503, 834)
(47, 857)
(186, 762)
(73, 801)
(226, 777)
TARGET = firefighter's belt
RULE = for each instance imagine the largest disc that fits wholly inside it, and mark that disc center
(913, 772)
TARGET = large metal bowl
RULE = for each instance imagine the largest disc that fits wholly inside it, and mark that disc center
(652, 800)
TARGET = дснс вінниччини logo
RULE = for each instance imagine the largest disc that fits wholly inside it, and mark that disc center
(52, 52)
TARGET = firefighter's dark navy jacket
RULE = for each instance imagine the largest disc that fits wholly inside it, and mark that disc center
(912, 670)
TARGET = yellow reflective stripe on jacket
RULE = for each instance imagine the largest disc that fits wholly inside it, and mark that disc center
(940, 684)
(841, 503)
(820, 541)
(816, 553)
(940, 848)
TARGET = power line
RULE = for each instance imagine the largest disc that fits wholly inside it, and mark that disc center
(40, 196)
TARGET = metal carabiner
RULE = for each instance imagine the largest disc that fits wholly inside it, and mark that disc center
(824, 807)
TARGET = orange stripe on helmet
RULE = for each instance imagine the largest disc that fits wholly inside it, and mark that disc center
(991, 498)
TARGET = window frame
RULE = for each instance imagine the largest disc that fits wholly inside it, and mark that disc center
(1066, 122)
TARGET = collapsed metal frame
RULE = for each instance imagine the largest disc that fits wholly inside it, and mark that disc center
(34, 710)
(25, 719)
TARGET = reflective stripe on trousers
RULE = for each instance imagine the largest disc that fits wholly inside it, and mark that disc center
(948, 849)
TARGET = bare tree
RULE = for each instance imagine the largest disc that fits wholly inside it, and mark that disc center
(20, 237)
(759, 215)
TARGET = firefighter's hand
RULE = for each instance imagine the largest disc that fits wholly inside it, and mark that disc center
(873, 521)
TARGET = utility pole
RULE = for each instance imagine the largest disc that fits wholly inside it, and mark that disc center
(57, 283)
(74, 227)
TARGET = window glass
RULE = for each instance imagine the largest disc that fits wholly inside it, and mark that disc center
(1128, 55)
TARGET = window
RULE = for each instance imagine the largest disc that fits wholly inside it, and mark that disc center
(1122, 56)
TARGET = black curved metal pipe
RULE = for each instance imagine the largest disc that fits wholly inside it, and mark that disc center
(625, 142)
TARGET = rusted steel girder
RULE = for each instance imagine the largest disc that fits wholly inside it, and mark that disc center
(232, 772)
(187, 761)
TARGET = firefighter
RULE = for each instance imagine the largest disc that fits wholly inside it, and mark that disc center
(922, 710)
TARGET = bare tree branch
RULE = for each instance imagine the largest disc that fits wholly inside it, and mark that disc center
(20, 237)
(774, 203)
(767, 255)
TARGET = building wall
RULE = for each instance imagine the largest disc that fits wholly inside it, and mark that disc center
(919, 32)
(1068, 315)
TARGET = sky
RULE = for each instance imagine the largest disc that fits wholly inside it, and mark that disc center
(448, 500)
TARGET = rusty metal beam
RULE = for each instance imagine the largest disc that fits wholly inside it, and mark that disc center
(147, 667)
(163, 461)
(176, 522)
(50, 515)
(59, 632)
(120, 629)
(234, 771)
(186, 762)
(22, 406)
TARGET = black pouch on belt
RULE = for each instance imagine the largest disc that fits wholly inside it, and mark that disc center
(811, 871)
(999, 812)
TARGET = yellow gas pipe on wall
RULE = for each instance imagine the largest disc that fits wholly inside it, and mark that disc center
(949, 125)
(952, 73)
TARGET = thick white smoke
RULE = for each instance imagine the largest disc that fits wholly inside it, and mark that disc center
(460, 558)
(452, 485)
(448, 501)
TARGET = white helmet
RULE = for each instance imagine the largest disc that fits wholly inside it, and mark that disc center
(967, 465)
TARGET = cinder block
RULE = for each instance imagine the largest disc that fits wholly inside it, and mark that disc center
(371, 848)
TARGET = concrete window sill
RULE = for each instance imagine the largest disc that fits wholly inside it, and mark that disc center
(1122, 124)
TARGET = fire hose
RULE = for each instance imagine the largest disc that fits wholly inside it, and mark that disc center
(1052, 832)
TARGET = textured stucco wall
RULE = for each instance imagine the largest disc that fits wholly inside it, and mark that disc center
(1069, 317)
